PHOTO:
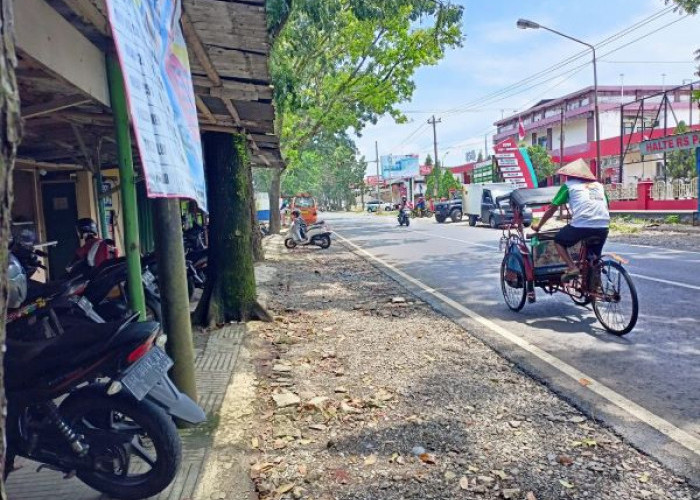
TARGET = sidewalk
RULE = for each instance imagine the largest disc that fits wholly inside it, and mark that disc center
(362, 392)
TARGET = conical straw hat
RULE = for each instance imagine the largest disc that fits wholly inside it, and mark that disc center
(578, 169)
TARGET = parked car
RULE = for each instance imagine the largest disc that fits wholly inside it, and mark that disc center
(375, 205)
(450, 208)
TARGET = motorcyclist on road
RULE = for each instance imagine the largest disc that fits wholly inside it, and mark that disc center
(298, 226)
(421, 203)
(590, 213)
(404, 203)
(94, 250)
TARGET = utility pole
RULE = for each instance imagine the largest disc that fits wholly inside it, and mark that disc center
(376, 152)
(561, 137)
(486, 146)
(436, 185)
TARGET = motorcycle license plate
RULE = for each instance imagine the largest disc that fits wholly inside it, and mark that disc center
(146, 372)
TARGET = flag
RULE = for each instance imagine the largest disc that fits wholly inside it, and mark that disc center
(521, 129)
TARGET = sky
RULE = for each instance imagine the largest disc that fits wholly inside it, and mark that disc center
(496, 55)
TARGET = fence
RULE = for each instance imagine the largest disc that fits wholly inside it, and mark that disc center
(675, 190)
(619, 192)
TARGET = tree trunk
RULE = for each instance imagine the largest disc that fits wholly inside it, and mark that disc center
(274, 194)
(256, 234)
(230, 292)
(10, 133)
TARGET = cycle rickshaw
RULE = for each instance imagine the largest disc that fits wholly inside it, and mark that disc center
(531, 261)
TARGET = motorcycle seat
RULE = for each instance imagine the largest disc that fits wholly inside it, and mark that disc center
(27, 360)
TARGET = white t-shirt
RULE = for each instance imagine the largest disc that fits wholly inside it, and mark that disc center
(588, 202)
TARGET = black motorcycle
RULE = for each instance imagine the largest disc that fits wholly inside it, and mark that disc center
(404, 217)
(114, 427)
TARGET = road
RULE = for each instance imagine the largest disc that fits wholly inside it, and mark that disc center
(655, 366)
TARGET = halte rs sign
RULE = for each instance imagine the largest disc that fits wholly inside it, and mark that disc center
(691, 140)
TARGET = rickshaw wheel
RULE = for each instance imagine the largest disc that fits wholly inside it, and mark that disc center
(618, 308)
(513, 281)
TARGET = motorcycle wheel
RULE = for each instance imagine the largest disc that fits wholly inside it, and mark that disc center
(290, 243)
(155, 445)
(324, 241)
(408, 222)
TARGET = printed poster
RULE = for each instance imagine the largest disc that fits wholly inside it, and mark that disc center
(153, 57)
(515, 165)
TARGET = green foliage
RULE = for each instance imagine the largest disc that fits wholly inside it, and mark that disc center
(689, 6)
(447, 183)
(428, 161)
(327, 168)
(541, 162)
(681, 164)
(673, 219)
(340, 64)
(481, 157)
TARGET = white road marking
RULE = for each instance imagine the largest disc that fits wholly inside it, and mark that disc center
(457, 239)
(665, 427)
(666, 282)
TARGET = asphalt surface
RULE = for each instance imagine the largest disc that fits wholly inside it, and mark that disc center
(655, 366)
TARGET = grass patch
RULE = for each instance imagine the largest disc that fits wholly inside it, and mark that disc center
(620, 226)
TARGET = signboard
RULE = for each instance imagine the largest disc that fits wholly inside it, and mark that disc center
(515, 165)
(153, 57)
(483, 172)
(425, 169)
(373, 180)
(679, 142)
(397, 166)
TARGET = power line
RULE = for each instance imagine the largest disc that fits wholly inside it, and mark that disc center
(564, 62)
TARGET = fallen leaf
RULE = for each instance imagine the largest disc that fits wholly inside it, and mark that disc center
(473, 469)
(644, 478)
(371, 460)
(566, 484)
(565, 460)
(464, 483)
(584, 382)
(530, 496)
(341, 475)
(302, 470)
(427, 458)
(254, 442)
(393, 457)
(285, 488)
(449, 475)
(502, 475)
(588, 442)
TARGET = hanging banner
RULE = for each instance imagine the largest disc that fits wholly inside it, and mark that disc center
(514, 164)
(153, 57)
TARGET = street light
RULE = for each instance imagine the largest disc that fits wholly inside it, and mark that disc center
(527, 24)
(442, 163)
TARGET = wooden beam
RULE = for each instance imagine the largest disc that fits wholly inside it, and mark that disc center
(202, 107)
(199, 50)
(53, 106)
(210, 127)
(83, 148)
(55, 44)
(28, 163)
(232, 111)
(90, 14)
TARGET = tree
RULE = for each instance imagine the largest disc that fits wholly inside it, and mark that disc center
(681, 164)
(480, 157)
(328, 168)
(448, 183)
(428, 161)
(10, 134)
(340, 64)
(230, 292)
(541, 162)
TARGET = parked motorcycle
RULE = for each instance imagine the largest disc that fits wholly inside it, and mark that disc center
(113, 427)
(404, 217)
(318, 234)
